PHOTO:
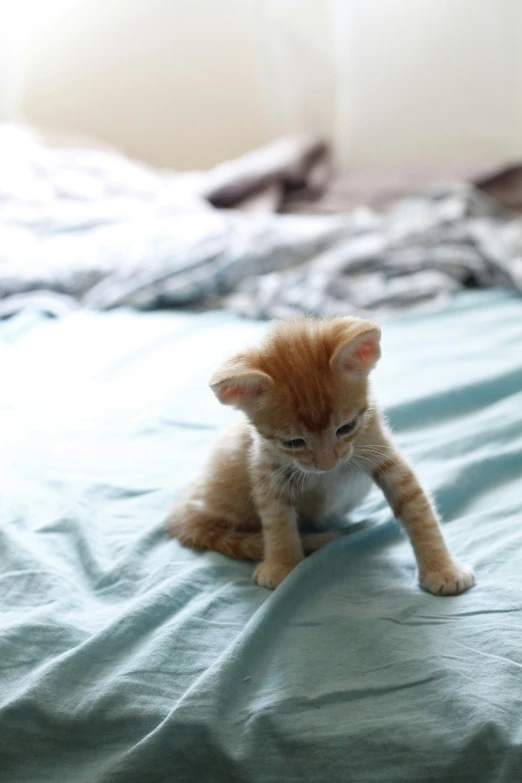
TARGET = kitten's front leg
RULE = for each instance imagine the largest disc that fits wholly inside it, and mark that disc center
(283, 547)
(438, 572)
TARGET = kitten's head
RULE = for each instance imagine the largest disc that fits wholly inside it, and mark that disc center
(305, 388)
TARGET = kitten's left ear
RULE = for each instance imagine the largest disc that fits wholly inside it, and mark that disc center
(359, 354)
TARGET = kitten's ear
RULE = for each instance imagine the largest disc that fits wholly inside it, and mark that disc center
(234, 383)
(358, 354)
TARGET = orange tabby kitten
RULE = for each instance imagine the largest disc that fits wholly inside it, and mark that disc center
(307, 449)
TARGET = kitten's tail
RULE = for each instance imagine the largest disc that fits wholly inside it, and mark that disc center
(199, 532)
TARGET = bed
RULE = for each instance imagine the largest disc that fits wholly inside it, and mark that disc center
(126, 657)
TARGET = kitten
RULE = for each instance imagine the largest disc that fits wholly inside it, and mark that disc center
(310, 443)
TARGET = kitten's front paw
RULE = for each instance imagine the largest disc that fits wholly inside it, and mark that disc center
(450, 580)
(272, 574)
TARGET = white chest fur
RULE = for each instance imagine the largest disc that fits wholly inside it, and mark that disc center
(336, 492)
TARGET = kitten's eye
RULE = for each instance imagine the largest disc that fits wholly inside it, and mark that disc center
(346, 428)
(296, 443)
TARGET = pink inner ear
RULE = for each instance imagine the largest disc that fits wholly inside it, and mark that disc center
(367, 351)
(234, 392)
(231, 394)
(362, 356)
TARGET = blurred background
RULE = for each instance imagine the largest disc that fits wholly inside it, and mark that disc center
(119, 119)
(189, 83)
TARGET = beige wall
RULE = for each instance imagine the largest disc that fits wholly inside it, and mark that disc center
(189, 83)
(437, 80)
(172, 81)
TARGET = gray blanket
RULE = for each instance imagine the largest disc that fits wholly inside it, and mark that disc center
(89, 228)
(430, 244)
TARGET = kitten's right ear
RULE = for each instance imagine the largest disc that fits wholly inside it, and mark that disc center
(234, 383)
(360, 353)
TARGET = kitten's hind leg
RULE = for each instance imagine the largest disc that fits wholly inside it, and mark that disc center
(196, 528)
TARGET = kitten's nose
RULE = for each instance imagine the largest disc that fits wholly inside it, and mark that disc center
(327, 460)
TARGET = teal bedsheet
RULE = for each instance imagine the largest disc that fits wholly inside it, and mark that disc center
(124, 657)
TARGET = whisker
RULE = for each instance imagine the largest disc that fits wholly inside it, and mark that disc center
(303, 482)
(271, 475)
(374, 464)
(287, 478)
(289, 485)
(383, 450)
(358, 465)
(382, 453)
(296, 475)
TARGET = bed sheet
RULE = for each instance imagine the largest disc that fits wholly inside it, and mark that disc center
(125, 657)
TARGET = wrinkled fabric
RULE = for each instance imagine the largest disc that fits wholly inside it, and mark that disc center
(87, 228)
(428, 246)
(125, 657)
